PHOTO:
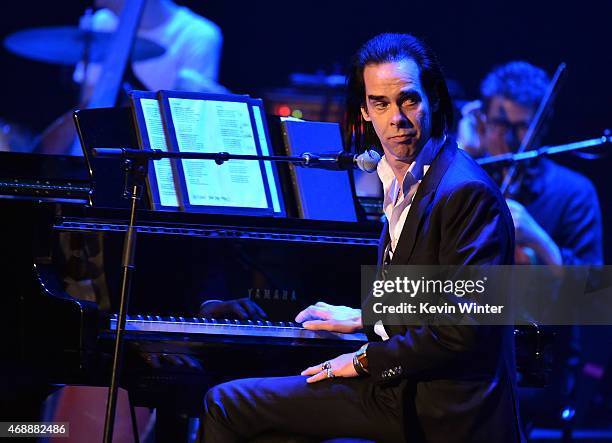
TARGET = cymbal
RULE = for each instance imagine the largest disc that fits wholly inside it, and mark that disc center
(65, 45)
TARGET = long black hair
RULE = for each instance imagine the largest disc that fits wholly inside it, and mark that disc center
(386, 48)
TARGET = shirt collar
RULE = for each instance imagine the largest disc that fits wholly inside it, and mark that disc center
(417, 169)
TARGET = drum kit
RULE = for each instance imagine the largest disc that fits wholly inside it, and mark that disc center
(65, 45)
(62, 45)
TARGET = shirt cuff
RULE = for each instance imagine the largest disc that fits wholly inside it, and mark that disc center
(379, 329)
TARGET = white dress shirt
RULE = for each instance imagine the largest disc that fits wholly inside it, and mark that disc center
(397, 200)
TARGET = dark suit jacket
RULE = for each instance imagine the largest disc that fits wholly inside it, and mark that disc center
(565, 204)
(459, 380)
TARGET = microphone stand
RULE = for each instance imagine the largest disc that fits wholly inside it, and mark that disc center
(135, 166)
(305, 159)
(546, 150)
(135, 173)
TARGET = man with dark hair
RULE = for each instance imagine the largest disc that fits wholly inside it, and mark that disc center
(555, 210)
(428, 383)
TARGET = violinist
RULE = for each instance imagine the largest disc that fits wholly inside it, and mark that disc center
(555, 210)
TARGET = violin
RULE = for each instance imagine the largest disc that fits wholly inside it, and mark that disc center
(512, 179)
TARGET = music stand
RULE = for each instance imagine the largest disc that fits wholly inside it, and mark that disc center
(102, 128)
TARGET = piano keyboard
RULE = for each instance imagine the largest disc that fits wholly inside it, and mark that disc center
(198, 325)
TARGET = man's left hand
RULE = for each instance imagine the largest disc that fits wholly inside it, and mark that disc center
(240, 308)
(341, 366)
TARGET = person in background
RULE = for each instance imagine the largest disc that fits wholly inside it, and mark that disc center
(192, 47)
(555, 210)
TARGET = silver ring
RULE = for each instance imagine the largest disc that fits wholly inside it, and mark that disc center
(330, 373)
(326, 366)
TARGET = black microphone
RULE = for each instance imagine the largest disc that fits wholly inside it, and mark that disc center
(341, 161)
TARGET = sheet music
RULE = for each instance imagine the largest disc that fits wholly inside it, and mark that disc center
(157, 140)
(216, 126)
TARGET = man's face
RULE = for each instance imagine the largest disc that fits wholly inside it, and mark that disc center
(504, 126)
(398, 108)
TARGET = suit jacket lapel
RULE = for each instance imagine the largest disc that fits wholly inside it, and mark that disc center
(421, 201)
(383, 241)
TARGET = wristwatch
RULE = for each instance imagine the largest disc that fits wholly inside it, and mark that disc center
(360, 360)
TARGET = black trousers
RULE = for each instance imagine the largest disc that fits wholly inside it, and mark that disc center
(341, 407)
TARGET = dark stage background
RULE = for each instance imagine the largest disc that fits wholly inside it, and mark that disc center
(265, 41)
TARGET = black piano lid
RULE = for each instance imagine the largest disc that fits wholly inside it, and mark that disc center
(40, 177)
(176, 220)
(43, 166)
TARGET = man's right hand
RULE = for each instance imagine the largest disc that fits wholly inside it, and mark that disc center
(324, 317)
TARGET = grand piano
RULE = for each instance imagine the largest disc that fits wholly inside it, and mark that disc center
(60, 274)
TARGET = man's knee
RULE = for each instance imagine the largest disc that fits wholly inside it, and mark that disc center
(217, 400)
(217, 415)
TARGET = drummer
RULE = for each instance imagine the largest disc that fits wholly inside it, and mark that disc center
(192, 47)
